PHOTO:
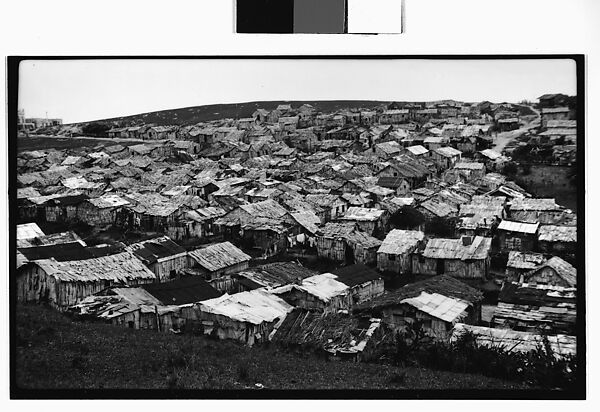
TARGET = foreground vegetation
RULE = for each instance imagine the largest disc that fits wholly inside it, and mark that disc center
(53, 352)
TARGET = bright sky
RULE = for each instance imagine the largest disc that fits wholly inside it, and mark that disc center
(81, 90)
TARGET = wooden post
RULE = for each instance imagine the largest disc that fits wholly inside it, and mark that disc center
(157, 318)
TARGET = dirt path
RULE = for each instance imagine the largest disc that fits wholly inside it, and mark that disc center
(503, 138)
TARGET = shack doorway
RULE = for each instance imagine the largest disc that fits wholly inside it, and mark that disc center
(440, 267)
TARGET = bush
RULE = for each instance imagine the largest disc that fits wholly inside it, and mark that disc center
(540, 367)
(407, 218)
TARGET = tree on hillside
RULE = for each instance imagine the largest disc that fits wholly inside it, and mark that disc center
(407, 217)
(95, 129)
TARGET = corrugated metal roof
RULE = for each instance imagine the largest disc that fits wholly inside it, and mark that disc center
(363, 214)
(256, 306)
(107, 201)
(190, 289)
(219, 256)
(442, 284)
(417, 150)
(399, 242)
(439, 306)
(534, 204)
(28, 231)
(448, 151)
(521, 227)
(121, 267)
(455, 249)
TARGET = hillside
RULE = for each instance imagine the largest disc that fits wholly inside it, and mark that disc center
(53, 352)
(191, 115)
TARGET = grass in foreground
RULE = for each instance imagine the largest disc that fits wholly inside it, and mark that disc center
(53, 352)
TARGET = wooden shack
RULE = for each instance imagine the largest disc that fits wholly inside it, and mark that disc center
(519, 236)
(395, 253)
(165, 258)
(218, 259)
(436, 303)
(467, 257)
(62, 284)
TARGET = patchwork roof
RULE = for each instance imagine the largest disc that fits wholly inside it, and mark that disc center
(398, 242)
(276, 274)
(256, 306)
(108, 201)
(363, 214)
(534, 204)
(456, 249)
(218, 256)
(189, 289)
(551, 233)
(443, 285)
(121, 267)
(324, 287)
(156, 250)
(439, 306)
(522, 260)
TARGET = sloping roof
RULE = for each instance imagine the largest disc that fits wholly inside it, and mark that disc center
(417, 150)
(390, 182)
(469, 166)
(276, 274)
(439, 306)
(363, 214)
(28, 231)
(324, 286)
(443, 284)
(516, 340)
(267, 208)
(534, 204)
(61, 252)
(108, 201)
(551, 233)
(137, 296)
(357, 274)
(448, 151)
(51, 239)
(456, 249)
(256, 306)
(562, 268)
(307, 220)
(334, 229)
(398, 242)
(522, 260)
(156, 249)
(121, 267)
(490, 154)
(189, 289)
(218, 256)
(521, 227)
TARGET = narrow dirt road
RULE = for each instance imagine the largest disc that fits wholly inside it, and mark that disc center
(502, 139)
